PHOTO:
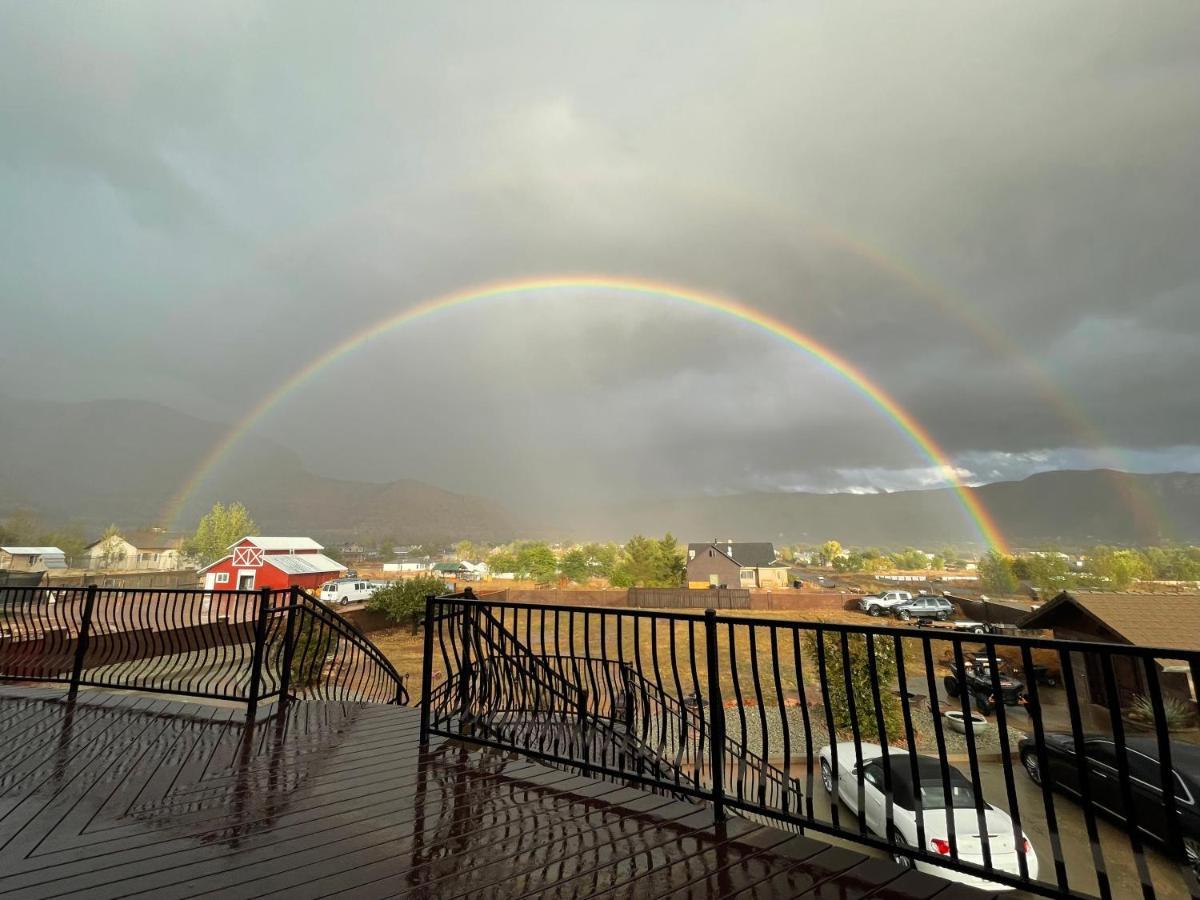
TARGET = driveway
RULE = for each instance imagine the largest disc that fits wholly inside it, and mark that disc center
(1118, 859)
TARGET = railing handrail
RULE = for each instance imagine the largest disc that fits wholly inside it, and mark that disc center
(1011, 640)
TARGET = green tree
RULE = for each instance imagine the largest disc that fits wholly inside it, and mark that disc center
(403, 601)
(646, 562)
(110, 548)
(996, 574)
(503, 560)
(465, 551)
(602, 558)
(220, 527)
(574, 565)
(1116, 569)
(536, 561)
(830, 551)
(862, 687)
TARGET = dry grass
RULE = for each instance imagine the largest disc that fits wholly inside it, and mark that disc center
(647, 646)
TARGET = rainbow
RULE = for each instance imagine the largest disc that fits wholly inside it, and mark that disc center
(916, 433)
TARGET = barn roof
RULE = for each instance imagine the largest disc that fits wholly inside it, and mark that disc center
(307, 564)
(33, 551)
(279, 543)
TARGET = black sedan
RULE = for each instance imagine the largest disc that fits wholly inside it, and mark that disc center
(1145, 782)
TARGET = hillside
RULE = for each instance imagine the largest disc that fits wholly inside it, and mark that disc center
(120, 461)
(1069, 509)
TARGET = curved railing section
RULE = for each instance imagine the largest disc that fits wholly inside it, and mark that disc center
(250, 647)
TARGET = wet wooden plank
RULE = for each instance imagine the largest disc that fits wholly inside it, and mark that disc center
(121, 795)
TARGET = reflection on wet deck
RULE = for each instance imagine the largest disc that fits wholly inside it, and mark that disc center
(118, 795)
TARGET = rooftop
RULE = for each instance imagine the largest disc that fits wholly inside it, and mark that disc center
(1170, 621)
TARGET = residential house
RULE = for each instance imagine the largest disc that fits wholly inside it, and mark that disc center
(149, 548)
(31, 559)
(403, 564)
(271, 562)
(1169, 621)
(735, 565)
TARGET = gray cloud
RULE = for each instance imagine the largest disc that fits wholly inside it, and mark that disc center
(992, 211)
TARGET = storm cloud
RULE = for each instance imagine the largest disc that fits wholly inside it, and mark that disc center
(993, 210)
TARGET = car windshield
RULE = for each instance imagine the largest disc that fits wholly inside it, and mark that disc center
(933, 795)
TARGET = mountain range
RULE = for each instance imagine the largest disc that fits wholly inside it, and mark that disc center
(100, 462)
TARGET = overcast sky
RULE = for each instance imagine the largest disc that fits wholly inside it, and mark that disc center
(992, 209)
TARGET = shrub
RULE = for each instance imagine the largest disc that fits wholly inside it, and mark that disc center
(1177, 713)
(403, 602)
(860, 684)
(314, 644)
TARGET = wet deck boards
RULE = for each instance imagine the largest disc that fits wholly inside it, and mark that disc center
(125, 795)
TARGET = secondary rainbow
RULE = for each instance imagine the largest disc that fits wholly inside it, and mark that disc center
(916, 433)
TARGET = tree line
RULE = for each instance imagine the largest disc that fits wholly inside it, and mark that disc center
(1101, 568)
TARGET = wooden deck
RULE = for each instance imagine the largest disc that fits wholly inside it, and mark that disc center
(124, 795)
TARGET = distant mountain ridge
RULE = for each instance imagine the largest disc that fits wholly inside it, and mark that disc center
(1065, 508)
(121, 461)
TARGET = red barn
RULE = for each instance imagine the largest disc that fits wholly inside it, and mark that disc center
(254, 563)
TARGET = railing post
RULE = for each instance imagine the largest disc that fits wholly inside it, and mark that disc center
(628, 712)
(289, 647)
(260, 639)
(716, 715)
(427, 669)
(464, 673)
(584, 740)
(81, 642)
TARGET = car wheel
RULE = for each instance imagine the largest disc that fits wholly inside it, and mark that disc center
(345, 601)
(905, 615)
(1030, 762)
(1051, 681)
(827, 777)
(978, 629)
(900, 859)
(875, 611)
(951, 684)
(1191, 850)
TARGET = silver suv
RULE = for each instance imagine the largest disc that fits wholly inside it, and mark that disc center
(924, 607)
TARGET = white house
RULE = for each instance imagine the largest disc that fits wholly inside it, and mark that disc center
(408, 565)
(151, 548)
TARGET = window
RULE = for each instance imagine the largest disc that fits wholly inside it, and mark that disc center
(221, 578)
(1102, 752)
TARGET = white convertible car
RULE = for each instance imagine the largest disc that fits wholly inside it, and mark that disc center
(934, 806)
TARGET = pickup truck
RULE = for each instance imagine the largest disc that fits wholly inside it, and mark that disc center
(878, 604)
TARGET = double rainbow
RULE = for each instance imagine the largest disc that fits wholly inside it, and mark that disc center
(915, 433)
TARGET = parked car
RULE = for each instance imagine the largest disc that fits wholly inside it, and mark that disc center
(345, 591)
(937, 810)
(1145, 782)
(878, 604)
(976, 682)
(924, 606)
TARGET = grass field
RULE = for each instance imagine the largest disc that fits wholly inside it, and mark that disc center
(653, 646)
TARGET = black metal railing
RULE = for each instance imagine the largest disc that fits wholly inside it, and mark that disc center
(243, 646)
(758, 716)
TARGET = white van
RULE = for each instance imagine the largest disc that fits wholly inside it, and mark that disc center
(345, 591)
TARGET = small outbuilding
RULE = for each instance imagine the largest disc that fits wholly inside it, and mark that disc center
(31, 559)
(254, 563)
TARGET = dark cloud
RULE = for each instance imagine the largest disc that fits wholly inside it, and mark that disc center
(992, 212)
